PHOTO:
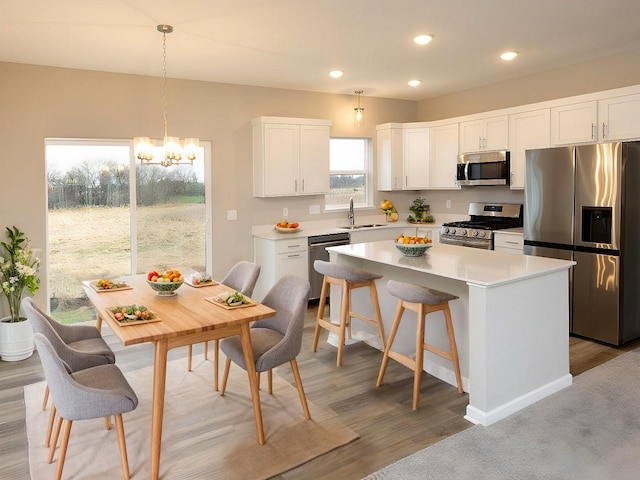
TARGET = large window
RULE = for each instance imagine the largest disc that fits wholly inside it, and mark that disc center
(349, 175)
(109, 216)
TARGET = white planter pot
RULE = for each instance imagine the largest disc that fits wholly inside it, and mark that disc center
(16, 340)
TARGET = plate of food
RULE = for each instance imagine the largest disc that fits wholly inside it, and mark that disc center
(108, 285)
(231, 300)
(200, 280)
(127, 315)
(286, 227)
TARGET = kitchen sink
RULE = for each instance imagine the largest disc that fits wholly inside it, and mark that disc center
(368, 225)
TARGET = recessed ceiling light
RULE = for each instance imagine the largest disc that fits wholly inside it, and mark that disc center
(336, 73)
(509, 55)
(423, 39)
(414, 83)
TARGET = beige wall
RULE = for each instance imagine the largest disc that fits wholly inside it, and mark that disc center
(604, 74)
(39, 102)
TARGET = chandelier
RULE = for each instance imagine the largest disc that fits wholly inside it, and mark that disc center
(175, 151)
(359, 110)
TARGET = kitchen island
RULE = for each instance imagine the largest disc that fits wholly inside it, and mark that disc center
(511, 319)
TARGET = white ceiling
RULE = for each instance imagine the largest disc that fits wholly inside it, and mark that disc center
(293, 44)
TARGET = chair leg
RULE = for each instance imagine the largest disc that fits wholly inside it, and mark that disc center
(123, 446)
(225, 375)
(394, 330)
(376, 310)
(321, 305)
(454, 348)
(344, 313)
(54, 442)
(216, 360)
(417, 376)
(270, 381)
(46, 398)
(52, 418)
(107, 423)
(64, 442)
(303, 398)
(206, 350)
(189, 354)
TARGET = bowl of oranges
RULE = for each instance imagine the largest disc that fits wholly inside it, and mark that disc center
(287, 227)
(411, 246)
(165, 283)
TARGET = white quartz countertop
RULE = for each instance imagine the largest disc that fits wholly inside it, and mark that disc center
(471, 265)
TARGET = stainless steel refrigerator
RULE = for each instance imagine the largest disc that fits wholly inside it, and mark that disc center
(582, 203)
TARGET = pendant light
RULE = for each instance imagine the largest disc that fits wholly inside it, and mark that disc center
(359, 111)
(175, 151)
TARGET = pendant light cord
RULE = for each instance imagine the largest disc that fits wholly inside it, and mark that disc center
(164, 76)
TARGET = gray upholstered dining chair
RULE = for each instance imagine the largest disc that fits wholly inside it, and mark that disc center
(79, 347)
(242, 277)
(94, 392)
(275, 340)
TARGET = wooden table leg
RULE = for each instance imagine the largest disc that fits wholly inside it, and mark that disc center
(245, 337)
(159, 381)
(99, 322)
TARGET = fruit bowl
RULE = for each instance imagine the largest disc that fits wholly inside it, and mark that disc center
(412, 249)
(165, 289)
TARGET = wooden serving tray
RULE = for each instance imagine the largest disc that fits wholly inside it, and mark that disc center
(128, 323)
(230, 307)
(206, 284)
(94, 284)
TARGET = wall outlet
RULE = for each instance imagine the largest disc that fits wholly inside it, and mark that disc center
(314, 209)
(232, 214)
(285, 213)
(448, 203)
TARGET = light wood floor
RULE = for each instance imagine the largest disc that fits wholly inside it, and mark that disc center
(388, 428)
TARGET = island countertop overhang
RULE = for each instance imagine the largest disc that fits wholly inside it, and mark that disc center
(484, 268)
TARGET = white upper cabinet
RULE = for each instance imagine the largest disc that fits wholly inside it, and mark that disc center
(290, 156)
(575, 123)
(389, 149)
(416, 158)
(444, 156)
(485, 134)
(527, 130)
(619, 118)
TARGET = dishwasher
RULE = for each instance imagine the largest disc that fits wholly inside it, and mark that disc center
(318, 251)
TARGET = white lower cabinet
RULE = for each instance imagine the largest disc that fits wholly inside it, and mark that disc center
(508, 242)
(278, 258)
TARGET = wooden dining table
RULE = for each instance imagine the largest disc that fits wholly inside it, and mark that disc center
(183, 319)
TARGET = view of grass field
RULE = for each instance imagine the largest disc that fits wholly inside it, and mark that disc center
(94, 242)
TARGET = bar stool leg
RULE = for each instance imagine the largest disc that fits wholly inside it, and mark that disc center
(417, 368)
(344, 313)
(454, 348)
(320, 315)
(392, 336)
(376, 310)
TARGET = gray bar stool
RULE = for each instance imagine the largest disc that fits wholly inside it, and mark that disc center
(423, 301)
(349, 279)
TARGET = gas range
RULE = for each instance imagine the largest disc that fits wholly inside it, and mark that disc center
(477, 232)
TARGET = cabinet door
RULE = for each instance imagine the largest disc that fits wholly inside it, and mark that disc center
(281, 154)
(389, 148)
(471, 135)
(314, 160)
(496, 133)
(619, 118)
(416, 158)
(292, 263)
(574, 123)
(444, 156)
(526, 131)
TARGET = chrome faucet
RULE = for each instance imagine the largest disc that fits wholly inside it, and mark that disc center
(352, 216)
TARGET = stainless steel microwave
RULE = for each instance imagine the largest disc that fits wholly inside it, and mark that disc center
(484, 168)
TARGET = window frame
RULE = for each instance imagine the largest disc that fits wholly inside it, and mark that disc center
(367, 172)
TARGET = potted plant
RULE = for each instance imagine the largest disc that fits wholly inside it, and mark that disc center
(420, 212)
(18, 267)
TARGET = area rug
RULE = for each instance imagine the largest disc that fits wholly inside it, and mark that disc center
(589, 431)
(204, 435)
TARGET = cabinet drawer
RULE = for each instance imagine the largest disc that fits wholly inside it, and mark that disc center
(292, 245)
(508, 241)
